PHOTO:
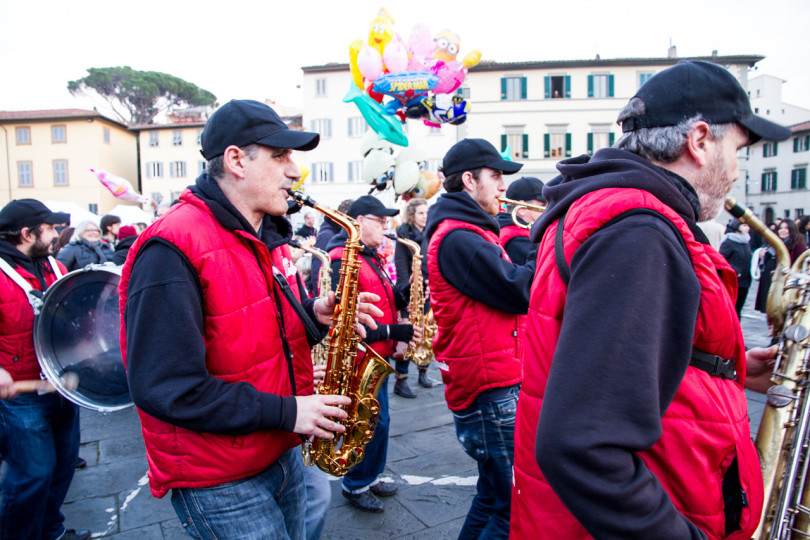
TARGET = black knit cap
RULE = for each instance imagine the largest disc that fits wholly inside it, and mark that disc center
(241, 122)
(29, 213)
(691, 88)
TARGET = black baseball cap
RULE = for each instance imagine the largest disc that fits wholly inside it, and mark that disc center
(468, 154)
(369, 206)
(22, 213)
(525, 188)
(241, 122)
(693, 87)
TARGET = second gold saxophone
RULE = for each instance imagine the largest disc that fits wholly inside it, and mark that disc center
(361, 381)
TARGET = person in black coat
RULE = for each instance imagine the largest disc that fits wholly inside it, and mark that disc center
(328, 229)
(85, 248)
(737, 251)
(126, 237)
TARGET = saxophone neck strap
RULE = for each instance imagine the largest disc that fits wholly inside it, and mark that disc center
(34, 295)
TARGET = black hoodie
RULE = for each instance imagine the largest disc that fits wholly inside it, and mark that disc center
(16, 258)
(165, 348)
(626, 338)
(472, 264)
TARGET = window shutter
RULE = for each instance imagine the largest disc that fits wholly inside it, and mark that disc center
(590, 142)
(331, 172)
(590, 85)
(764, 176)
(568, 86)
(547, 87)
(546, 145)
(503, 143)
(503, 88)
(802, 178)
(765, 150)
(775, 147)
(525, 145)
(523, 88)
(796, 144)
(774, 181)
(807, 142)
(610, 85)
(567, 145)
(611, 138)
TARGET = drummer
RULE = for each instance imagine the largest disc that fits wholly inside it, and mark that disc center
(39, 434)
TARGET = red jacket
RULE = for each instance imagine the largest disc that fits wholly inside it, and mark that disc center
(707, 417)
(512, 231)
(235, 296)
(369, 281)
(477, 347)
(17, 354)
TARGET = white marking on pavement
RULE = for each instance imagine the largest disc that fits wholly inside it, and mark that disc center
(132, 494)
(443, 481)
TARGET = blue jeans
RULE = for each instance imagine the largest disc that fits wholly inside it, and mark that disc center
(486, 431)
(271, 504)
(319, 495)
(401, 366)
(366, 472)
(39, 441)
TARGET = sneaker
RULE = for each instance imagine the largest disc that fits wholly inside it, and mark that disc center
(402, 389)
(384, 489)
(424, 380)
(365, 501)
(73, 534)
(81, 463)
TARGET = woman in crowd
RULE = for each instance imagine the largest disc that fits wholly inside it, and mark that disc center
(793, 239)
(737, 251)
(85, 248)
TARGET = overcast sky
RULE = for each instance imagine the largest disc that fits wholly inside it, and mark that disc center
(255, 49)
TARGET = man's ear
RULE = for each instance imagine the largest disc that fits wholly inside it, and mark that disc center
(232, 160)
(698, 141)
(468, 180)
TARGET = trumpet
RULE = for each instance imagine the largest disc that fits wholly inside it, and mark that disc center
(517, 206)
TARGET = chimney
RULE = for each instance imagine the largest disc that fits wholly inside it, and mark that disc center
(714, 53)
(672, 52)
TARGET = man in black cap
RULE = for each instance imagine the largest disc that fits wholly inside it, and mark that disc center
(362, 486)
(515, 236)
(479, 299)
(633, 348)
(39, 434)
(215, 334)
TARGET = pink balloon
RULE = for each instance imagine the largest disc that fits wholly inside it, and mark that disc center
(451, 76)
(395, 57)
(370, 63)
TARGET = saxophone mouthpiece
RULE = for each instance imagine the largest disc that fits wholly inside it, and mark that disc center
(295, 243)
(391, 237)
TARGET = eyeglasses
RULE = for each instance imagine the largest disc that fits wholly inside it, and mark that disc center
(381, 220)
(88, 229)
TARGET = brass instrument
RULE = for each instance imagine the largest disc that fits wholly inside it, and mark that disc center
(324, 286)
(517, 206)
(359, 381)
(784, 431)
(421, 354)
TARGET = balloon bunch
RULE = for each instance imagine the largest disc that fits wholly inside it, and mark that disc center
(404, 168)
(419, 76)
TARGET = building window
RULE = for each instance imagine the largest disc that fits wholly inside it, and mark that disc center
(517, 142)
(433, 165)
(798, 212)
(106, 134)
(177, 169)
(24, 174)
(154, 169)
(355, 171)
(93, 207)
(357, 126)
(557, 144)
(320, 87)
(600, 86)
(769, 181)
(769, 149)
(557, 86)
(60, 172)
(322, 173)
(434, 130)
(23, 135)
(643, 77)
(322, 126)
(154, 138)
(798, 178)
(513, 88)
(600, 138)
(198, 139)
(201, 165)
(463, 92)
(177, 138)
(58, 134)
(801, 144)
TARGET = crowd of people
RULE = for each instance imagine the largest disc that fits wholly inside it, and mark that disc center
(614, 288)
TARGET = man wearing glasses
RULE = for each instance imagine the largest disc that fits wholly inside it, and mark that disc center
(361, 486)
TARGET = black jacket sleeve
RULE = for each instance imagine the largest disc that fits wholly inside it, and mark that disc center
(626, 337)
(476, 268)
(165, 356)
(518, 249)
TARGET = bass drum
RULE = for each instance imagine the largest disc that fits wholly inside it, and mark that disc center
(77, 331)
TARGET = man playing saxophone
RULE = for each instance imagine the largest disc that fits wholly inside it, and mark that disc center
(215, 337)
(633, 347)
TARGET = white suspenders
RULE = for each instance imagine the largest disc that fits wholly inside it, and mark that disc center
(33, 299)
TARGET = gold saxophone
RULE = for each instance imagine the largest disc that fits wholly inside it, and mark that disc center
(517, 206)
(324, 286)
(422, 353)
(782, 439)
(359, 381)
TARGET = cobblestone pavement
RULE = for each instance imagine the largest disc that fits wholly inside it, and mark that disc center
(436, 478)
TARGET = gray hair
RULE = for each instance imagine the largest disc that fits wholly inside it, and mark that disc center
(216, 165)
(662, 144)
(80, 228)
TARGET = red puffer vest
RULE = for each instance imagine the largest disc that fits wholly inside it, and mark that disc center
(235, 298)
(477, 347)
(512, 231)
(17, 354)
(704, 428)
(370, 281)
